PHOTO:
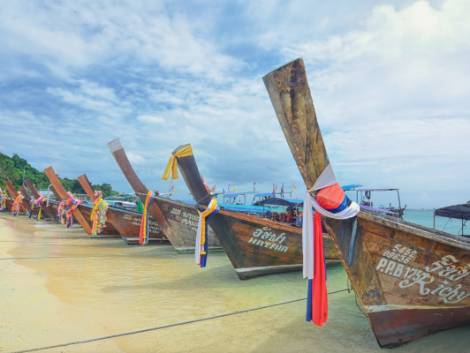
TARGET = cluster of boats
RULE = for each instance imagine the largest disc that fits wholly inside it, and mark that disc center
(409, 280)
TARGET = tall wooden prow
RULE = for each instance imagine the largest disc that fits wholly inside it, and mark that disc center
(86, 186)
(416, 298)
(59, 188)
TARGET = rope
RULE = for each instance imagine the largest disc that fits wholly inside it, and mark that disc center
(167, 326)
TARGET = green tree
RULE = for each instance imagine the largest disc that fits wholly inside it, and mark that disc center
(16, 169)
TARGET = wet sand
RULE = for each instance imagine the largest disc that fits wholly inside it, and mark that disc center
(64, 292)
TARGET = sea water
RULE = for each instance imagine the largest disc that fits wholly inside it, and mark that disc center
(425, 218)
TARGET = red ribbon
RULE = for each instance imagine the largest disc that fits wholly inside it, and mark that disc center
(320, 294)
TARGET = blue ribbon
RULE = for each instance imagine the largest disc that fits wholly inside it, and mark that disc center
(309, 301)
(203, 258)
(344, 204)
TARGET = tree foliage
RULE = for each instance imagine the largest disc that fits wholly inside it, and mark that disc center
(17, 169)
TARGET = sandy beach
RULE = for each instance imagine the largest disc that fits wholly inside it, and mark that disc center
(64, 292)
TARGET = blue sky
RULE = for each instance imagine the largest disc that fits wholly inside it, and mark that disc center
(389, 80)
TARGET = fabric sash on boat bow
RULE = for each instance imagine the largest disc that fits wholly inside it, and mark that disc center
(71, 203)
(97, 219)
(38, 203)
(172, 165)
(202, 244)
(144, 226)
(16, 206)
(329, 201)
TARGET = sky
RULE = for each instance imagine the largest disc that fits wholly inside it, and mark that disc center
(390, 83)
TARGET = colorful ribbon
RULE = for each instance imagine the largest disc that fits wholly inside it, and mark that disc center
(70, 205)
(98, 220)
(143, 230)
(16, 207)
(39, 200)
(172, 165)
(317, 310)
(61, 212)
(202, 243)
(38, 203)
(329, 201)
(4, 202)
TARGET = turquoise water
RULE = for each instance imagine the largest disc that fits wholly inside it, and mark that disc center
(425, 218)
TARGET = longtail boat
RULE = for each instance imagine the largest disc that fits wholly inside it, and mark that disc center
(10, 188)
(410, 280)
(126, 222)
(13, 193)
(86, 209)
(177, 220)
(26, 194)
(60, 190)
(256, 246)
(49, 210)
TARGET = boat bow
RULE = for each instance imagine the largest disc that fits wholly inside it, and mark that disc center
(410, 280)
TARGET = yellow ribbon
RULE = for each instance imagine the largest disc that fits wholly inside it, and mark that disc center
(172, 165)
(40, 213)
(94, 216)
(203, 216)
(96, 205)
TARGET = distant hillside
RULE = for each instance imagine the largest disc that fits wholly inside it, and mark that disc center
(16, 168)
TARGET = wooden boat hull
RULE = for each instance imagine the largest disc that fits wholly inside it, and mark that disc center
(27, 198)
(49, 212)
(124, 222)
(60, 191)
(258, 247)
(128, 225)
(109, 230)
(255, 246)
(409, 283)
(410, 280)
(180, 230)
(181, 222)
(8, 205)
(12, 191)
(395, 327)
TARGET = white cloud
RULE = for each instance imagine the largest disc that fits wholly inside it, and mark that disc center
(65, 36)
(135, 158)
(389, 82)
(392, 97)
(151, 119)
(91, 96)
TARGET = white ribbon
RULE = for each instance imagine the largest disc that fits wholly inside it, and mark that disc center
(307, 237)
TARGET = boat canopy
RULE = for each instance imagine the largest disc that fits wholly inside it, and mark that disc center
(455, 211)
(235, 194)
(350, 187)
(264, 194)
(277, 201)
(258, 210)
(362, 188)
